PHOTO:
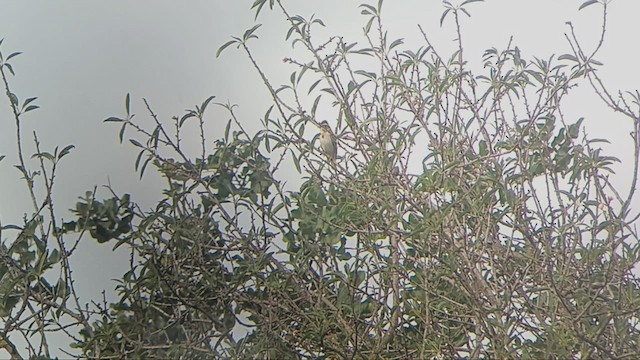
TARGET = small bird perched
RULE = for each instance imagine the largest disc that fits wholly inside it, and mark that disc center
(328, 140)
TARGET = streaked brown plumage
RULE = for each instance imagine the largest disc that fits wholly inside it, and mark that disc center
(328, 140)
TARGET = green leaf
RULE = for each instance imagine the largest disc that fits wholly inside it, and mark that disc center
(127, 101)
(8, 66)
(137, 162)
(568, 57)
(258, 4)
(136, 143)
(483, 148)
(54, 257)
(227, 130)
(470, 1)
(65, 151)
(396, 43)
(587, 3)
(31, 107)
(13, 98)
(28, 101)
(291, 30)
(315, 104)
(45, 155)
(595, 62)
(370, 75)
(185, 117)
(9, 303)
(205, 103)
(597, 140)
(249, 33)
(226, 45)
(144, 165)
(350, 87)
(69, 226)
(313, 86)
(444, 15)
(302, 72)
(367, 27)
(296, 162)
(574, 129)
(368, 10)
(121, 134)
(10, 227)
(13, 55)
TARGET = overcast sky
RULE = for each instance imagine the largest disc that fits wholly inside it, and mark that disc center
(80, 58)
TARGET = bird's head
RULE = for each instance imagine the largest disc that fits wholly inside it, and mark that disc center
(324, 125)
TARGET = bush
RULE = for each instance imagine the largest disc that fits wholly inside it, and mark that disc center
(464, 217)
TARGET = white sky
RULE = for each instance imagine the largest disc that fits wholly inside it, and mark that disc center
(82, 57)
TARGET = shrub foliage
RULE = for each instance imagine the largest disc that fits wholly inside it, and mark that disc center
(466, 216)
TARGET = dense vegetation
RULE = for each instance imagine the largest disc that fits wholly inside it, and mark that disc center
(465, 216)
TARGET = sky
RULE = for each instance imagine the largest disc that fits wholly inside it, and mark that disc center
(80, 58)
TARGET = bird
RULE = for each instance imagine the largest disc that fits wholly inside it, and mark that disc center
(328, 141)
